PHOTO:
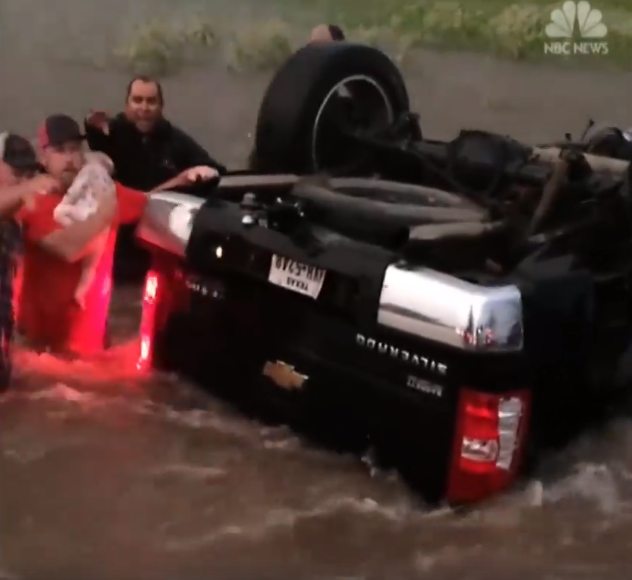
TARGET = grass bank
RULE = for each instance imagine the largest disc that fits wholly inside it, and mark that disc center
(498, 27)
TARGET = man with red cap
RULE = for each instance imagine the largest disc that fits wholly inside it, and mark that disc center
(48, 314)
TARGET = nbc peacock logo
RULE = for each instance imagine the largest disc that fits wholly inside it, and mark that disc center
(579, 28)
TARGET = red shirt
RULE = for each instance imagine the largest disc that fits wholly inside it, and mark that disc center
(47, 312)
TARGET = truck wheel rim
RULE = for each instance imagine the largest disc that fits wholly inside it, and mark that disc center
(372, 111)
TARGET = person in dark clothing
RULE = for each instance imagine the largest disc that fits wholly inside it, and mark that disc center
(18, 161)
(327, 33)
(147, 151)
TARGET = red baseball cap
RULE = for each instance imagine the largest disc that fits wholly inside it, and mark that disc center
(57, 130)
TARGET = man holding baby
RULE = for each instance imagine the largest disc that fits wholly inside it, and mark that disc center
(48, 313)
(68, 255)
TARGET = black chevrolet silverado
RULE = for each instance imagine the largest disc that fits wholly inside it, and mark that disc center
(454, 306)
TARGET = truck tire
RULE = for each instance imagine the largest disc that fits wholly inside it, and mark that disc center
(604, 140)
(290, 108)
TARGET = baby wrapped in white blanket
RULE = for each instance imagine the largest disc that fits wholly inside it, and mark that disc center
(92, 183)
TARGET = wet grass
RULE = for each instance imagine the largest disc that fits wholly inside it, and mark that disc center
(497, 27)
(400, 27)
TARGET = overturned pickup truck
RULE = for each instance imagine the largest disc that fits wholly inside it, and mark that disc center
(454, 306)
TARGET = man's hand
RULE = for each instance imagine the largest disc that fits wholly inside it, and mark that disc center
(199, 173)
(39, 185)
(99, 120)
(42, 184)
(188, 177)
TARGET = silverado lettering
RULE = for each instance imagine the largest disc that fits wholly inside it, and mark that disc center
(400, 354)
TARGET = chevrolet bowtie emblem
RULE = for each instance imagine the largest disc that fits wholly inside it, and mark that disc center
(284, 375)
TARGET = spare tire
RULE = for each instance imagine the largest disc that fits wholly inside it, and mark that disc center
(604, 140)
(288, 121)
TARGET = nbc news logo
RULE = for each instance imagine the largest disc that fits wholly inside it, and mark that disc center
(580, 17)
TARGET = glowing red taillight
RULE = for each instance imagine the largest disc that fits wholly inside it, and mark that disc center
(148, 319)
(489, 442)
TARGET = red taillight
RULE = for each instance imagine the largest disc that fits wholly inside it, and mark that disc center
(148, 319)
(490, 434)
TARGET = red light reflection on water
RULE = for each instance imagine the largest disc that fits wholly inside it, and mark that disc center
(118, 364)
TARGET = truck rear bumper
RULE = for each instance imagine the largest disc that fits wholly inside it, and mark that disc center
(293, 368)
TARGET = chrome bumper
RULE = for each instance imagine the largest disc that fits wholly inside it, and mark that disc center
(443, 309)
(168, 220)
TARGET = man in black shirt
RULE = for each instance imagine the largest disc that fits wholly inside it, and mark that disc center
(147, 151)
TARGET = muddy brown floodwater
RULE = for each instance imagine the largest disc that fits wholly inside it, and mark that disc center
(107, 475)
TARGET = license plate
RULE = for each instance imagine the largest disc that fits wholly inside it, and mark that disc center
(301, 278)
